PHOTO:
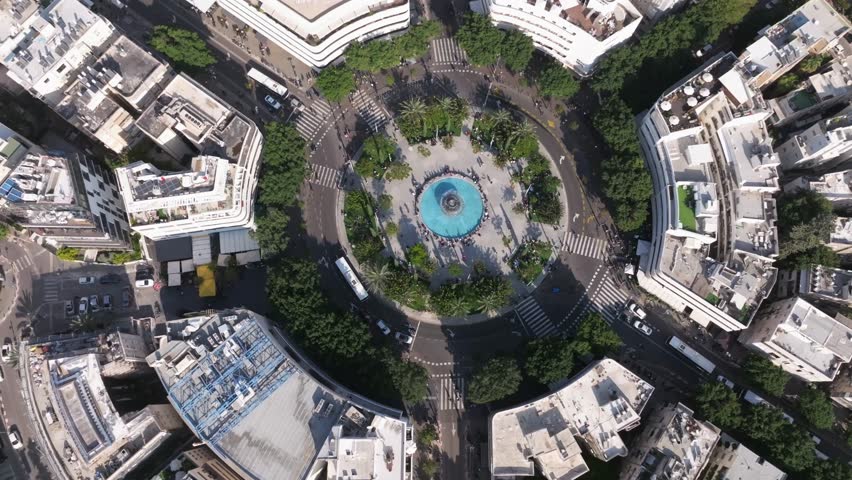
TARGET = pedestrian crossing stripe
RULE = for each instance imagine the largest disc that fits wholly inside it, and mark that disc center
(446, 51)
(367, 109)
(51, 289)
(451, 392)
(21, 264)
(585, 246)
(309, 121)
(325, 176)
(533, 318)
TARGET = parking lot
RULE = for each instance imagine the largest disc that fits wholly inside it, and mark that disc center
(59, 297)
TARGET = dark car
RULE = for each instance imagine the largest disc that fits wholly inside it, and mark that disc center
(110, 279)
(125, 298)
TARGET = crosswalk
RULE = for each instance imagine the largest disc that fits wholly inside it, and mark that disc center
(450, 391)
(309, 121)
(21, 264)
(608, 299)
(51, 287)
(446, 51)
(325, 176)
(534, 319)
(585, 246)
(367, 109)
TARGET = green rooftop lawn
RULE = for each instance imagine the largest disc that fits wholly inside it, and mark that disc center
(686, 214)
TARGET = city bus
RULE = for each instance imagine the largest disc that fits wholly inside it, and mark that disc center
(691, 354)
(269, 83)
(351, 278)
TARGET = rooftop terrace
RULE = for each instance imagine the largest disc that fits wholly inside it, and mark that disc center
(598, 18)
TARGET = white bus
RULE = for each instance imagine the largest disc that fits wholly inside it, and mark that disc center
(269, 83)
(691, 354)
(351, 278)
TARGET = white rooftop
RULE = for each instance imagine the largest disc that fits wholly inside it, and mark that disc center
(814, 337)
(601, 401)
(740, 463)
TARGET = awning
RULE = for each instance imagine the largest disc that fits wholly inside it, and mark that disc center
(234, 241)
(174, 279)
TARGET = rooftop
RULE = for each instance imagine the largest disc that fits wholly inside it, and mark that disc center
(232, 382)
(682, 447)
(43, 179)
(594, 406)
(812, 336)
(842, 234)
(834, 186)
(734, 461)
(598, 18)
(831, 283)
(13, 13)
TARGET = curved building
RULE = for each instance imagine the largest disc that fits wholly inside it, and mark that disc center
(267, 412)
(317, 31)
(575, 33)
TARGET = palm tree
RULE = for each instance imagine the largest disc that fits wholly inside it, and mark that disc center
(501, 117)
(84, 323)
(489, 302)
(456, 306)
(525, 129)
(446, 105)
(376, 276)
(415, 110)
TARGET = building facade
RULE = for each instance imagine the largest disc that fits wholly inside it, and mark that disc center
(801, 339)
(714, 173)
(576, 34)
(316, 32)
(823, 145)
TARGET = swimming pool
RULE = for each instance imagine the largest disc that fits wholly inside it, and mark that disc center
(451, 207)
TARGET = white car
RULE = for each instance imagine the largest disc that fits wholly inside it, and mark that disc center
(6, 351)
(93, 303)
(272, 102)
(86, 280)
(724, 381)
(15, 440)
(145, 283)
(403, 338)
(383, 327)
(636, 310)
(84, 306)
(642, 327)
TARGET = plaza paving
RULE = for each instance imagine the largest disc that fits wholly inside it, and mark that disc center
(500, 195)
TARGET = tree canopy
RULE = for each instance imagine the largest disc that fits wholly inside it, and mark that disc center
(497, 379)
(409, 378)
(554, 80)
(767, 375)
(549, 359)
(377, 155)
(378, 55)
(184, 48)
(817, 408)
(600, 338)
(805, 222)
(517, 50)
(335, 83)
(482, 41)
(720, 405)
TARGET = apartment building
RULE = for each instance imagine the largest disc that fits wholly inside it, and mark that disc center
(575, 33)
(673, 444)
(216, 192)
(74, 60)
(266, 412)
(65, 199)
(826, 284)
(653, 10)
(823, 145)
(731, 460)
(835, 186)
(714, 240)
(840, 239)
(315, 32)
(801, 339)
(591, 410)
(814, 28)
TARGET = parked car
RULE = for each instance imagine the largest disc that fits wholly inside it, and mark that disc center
(6, 351)
(69, 308)
(93, 303)
(15, 440)
(107, 302)
(86, 280)
(272, 102)
(125, 298)
(83, 308)
(144, 282)
(383, 327)
(633, 308)
(721, 379)
(642, 327)
(110, 279)
(403, 338)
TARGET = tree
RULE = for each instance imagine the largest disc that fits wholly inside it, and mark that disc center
(817, 408)
(428, 467)
(335, 83)
(516, 50)
(414, 112)
(4, 231)
(805, 221)
(767, 375)
(427, 435)
(481, 40)
(410, 379)
(84, 323)
(555, 81)
(271, 232)
(184, 48)
(600, 337)
(830, 470)
(398, 171)
(795, 450)
(376, 275)
(549, 359)
(377, 156)
(720, 405)
(418, 255)
(497, 379)
(766, 423)
(812, 63)
(454, 269)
